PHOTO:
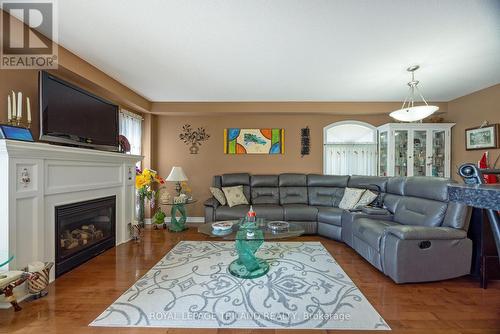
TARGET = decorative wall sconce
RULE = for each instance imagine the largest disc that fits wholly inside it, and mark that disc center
(305, 141)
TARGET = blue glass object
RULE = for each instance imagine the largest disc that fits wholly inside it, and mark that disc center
(16, 133)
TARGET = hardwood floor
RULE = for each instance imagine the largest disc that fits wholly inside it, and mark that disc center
(78, 297)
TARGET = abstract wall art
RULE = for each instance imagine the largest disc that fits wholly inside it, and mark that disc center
(254, 141)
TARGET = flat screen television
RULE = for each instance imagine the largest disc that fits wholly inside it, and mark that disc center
(70, 115)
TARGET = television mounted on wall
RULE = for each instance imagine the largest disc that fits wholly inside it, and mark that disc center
(71, 115)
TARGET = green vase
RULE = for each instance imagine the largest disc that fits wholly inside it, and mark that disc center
(247, 265)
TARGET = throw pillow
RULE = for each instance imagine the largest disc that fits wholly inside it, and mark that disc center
(234, 196)
(366, 199)
(218, 195)
(351, 198)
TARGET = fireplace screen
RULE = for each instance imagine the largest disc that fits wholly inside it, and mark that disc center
(83, 230)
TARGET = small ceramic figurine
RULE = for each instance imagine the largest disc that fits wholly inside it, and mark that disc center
(39, 287)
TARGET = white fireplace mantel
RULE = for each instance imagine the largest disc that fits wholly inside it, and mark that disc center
(37, 177)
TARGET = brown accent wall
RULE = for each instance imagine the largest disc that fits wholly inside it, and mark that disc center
(72, 69)
(467, 112)
(211, 160)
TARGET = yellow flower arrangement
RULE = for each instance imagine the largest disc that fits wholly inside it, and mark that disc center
(144, 181)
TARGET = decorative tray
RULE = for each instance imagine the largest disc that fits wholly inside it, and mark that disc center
(278, 225)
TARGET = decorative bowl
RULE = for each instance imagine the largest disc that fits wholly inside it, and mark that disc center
(222, 226)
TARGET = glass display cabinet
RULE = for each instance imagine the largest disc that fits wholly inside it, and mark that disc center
(414, 149)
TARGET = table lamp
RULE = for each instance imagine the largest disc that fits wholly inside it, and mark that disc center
(177, 175)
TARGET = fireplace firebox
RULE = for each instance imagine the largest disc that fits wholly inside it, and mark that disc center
(83, 230)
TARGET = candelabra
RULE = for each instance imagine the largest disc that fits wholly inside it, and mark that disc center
(17, 121)
(15, 110)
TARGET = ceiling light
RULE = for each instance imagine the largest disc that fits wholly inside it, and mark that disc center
(409, 112)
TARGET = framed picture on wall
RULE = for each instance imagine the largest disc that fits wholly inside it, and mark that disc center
(481, 138)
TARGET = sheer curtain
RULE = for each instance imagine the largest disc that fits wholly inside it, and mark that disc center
(351, 159)
(131, 127)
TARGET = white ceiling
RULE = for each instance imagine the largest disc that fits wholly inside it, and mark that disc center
(287, 50)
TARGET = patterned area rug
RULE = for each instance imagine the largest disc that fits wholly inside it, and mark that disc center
(190, 287)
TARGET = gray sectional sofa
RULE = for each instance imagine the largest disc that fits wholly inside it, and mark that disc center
(417, 236)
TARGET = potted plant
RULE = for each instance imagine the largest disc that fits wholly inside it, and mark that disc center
(159, 218)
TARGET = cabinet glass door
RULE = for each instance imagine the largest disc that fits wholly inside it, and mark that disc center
(419, 153)
(382, 152)
(400, 153)
(438, 153)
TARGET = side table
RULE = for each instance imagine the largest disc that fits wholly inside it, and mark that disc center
(178, 216)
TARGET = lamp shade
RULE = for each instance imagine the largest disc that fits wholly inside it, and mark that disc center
(413, 114)
(177, 175)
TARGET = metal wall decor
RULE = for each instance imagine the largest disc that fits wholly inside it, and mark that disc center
(305, 141)
(193, 137)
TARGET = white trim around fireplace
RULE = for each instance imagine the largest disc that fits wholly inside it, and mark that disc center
(37, 177)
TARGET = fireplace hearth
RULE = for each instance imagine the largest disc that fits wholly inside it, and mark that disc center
(83, 231)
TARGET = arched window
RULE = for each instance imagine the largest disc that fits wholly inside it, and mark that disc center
(350, 148)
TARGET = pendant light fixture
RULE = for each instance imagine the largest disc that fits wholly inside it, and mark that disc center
(410, 112)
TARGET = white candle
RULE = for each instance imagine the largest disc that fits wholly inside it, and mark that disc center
(28, 109)
(19, 105)
(14, 113)
(9, 109)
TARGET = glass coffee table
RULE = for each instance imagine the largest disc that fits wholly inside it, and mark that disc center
(5, 258)
(248, 237)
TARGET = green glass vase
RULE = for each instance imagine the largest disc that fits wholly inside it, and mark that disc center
(247, 265)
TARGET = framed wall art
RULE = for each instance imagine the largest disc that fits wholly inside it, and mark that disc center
(481, 138)
(254, 141)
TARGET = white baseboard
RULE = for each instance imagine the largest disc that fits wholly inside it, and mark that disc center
(197, 220)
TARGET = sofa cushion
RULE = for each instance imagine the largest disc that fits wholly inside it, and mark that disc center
(435, 188)
(292, 180)
(264, 181)
(218, 195)
(391, 202)
(368, 182)
(367, 198)
(293, 195)
(420, 211)
(237, 179)
(351, 197)
(217, 181)
(370, 231)
(332, 216)
(337, 181)
(299, 212)
(395, 185)
(265, 195)
(325, 196)
(227, 213)
(269, 211)
(234, 195)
